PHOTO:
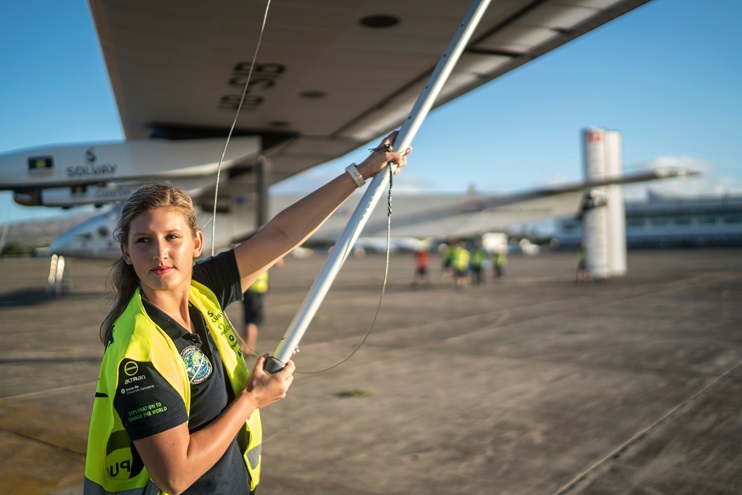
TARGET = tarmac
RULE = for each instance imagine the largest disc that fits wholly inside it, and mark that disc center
(530, 384)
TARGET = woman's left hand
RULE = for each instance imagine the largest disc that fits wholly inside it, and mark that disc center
(382, 155)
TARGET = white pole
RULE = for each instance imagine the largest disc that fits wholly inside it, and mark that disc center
(321, 286)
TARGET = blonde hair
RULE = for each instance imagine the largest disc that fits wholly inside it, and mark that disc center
(125, 281)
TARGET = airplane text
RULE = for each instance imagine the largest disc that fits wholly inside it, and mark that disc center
(91, 170)
(115, 193)
(263, 76)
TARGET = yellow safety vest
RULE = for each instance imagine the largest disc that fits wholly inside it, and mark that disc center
(260, 285)
(109, 464)
(500, 259)
(460, 258)
(478, 257)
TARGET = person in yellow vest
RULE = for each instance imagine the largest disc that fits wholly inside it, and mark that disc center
(446, 251)
(478, 260)
(460, 259)
(253, 311)
(499, 263)
(175, 409)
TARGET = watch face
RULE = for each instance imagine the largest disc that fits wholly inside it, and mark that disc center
(198, 366)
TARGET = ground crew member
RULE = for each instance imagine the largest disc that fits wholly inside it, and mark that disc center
(500, 261)
(175, 409)
(446, 253)
(478, 259)
(460, 259)
(253, 310)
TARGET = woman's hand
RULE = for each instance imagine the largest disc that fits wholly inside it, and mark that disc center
(265, 389)
(377, 160)
(296, 223)
(175, 458)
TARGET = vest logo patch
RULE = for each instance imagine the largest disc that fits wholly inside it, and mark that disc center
(131, 368)
(198, 366)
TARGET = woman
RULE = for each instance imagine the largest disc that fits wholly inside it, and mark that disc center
(175, 409)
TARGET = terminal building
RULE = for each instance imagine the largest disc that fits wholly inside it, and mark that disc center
(665, 221)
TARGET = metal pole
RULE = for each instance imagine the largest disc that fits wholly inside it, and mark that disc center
(321, 286)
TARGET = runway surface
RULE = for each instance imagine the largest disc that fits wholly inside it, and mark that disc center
(531, 384)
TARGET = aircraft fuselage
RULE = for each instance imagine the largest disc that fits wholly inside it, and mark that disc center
(64, 173)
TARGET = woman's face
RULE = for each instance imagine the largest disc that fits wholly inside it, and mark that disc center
(161, 248)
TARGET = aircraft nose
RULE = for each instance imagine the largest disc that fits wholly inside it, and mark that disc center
(62, 245)
(91, 239)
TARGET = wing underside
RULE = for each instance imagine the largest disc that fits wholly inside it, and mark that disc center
(330, 75)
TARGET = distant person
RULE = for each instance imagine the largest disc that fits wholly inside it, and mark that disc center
(478, 263)
(499, 262)
(460, 259)
(176, 409)
(446, 253)
(422, 261)
(253, 311)
(582, 275)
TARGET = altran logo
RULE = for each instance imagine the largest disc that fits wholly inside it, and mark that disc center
(91, 168)
(131, 368)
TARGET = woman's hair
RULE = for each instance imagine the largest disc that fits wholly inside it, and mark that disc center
(148, 198)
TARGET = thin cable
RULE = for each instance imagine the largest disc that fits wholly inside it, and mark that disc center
(391, 168)
(234, 124)
(383, 286)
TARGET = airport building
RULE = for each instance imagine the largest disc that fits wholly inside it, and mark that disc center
(665, 221)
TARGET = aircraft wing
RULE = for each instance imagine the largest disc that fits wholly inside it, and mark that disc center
(422, 216)
(452, 215)
(329, 76)
(441, 216)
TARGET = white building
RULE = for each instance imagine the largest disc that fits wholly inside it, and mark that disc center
(664, 221)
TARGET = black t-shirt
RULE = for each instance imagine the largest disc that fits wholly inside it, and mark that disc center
(148, 404)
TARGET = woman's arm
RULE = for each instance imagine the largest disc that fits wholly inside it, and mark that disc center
(296, 223)
(175, 459)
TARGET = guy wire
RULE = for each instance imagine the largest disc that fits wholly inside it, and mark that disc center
(234, 124)
(381, 295)
(383, 285)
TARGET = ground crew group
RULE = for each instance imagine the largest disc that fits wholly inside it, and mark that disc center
(470, 265)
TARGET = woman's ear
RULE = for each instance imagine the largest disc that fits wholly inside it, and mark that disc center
(198, 244)
(125, 254)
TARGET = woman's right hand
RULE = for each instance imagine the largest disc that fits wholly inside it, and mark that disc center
(264, 388)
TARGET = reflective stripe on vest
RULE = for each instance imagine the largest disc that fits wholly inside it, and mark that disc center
(110, 466)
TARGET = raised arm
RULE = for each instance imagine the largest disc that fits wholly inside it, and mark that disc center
(295, 224)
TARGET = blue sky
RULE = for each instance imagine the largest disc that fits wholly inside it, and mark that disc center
(668, 76)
